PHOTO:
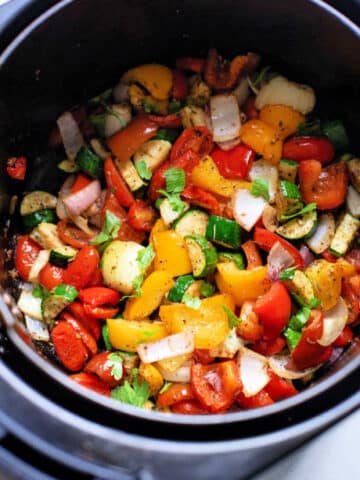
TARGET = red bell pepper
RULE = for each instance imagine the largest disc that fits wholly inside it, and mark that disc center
(269, 347)
(278, 388)
(180, 87)
(344, 338)
(188, 407)
(198, 139)
(25, 255)
(16, 168)
(51, 276)
(261, 399)
(354, 258)
(116, 184)
(193, 64)
(309, 148)
(72, 235)
(81, 269)
(234, 163)
(253, 257)
(351, 293)
(96, 296)
(91, 382)
(142, 216)
(177, 392)
(202, 355)
(202, 198)
(249, 328)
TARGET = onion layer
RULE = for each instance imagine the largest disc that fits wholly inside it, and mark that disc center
(70, 133)
(253, 371)
(225, 117)
(334, 322)
(278, 260)
(177, 344)
(79, 201)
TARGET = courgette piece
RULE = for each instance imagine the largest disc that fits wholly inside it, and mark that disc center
(47, 236)
(353, 167)
(223, 231)
(325, 230)
(288, 199)
(33, 219)
(301, 285)
(299, 227)
(193, 222)
(129, 174)
(236, 258)
(344, 234)
(168, 214)
(61, 257)
(89, 162)
(181, 285)
(52, 306)
(37, 200)
(203, 255)
(287, 170)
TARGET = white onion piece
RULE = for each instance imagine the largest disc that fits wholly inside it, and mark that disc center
(225, 117)
(247, 208)
(70, 133)
(229, 347)
(334, 322)
(262, 169)
(79, 201)
(278, 260)
(37, 329)
(253, 371)
(306, 255)
(325, 230)
(171, 346)
(353, 202)
(117, 119)
(121, 92)
(39, 263)
(241, 91)
(30, 305)
(229, 144)
(181, 375)
(280, 365)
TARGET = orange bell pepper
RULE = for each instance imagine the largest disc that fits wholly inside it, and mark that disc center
(263, 139)
(284, 119)
(171, 253)
(157, 79)
(127, 335)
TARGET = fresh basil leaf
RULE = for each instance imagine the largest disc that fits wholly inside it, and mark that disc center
(135, 394)
(261, 76)
(175, 180)
(174, 199)
(192, 302)
(39, 291)
(143, 170)
(207, 289)
(149, 107)
(165, 387)
(110, 230)
(292, 336)
(115, 362)
(167, 134)
(287, 274)
(233, 320)
(260, 188)
(106, 337)
(145, 257)
(307, 209)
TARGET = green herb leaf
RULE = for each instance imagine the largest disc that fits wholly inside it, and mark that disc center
(292, 336)
(143, 170)
(260, 188)
(135, 394)
(165, 387)
(167, 134)
(106, 337)
(175, 180)
(261, 76)
(39, 291)
(192, 302)
(174, 199)
(175, 106)
(207, 289)
(233, 320)
(144, 259)
(158, 202)
(109, 232)
(287, 274)
(115, 362)
(149, 107)
(307, 209)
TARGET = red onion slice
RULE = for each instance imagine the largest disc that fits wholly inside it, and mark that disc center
(70, 133)
(79, 201)
(278, 260)
(307, 256)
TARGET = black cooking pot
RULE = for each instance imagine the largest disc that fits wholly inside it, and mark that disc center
(71, 52)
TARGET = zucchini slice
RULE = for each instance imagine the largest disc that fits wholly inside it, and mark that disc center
(181, 285)
(52, 306)
(37, 200)
(62, 256)
(129, 174)
(193, 222)
(236, 258)
(288, 198)
(203, 255)
(299, 227)
(344, 234)
(89, 162)
(320, 240)
(287, 169)
(32, 220)
(168, 214)
(223, 231)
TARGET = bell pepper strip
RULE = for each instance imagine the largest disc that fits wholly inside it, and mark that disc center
(326, 187)
(85, 334)
(251, 112)
(279, 388)
(274, 310)
(177, 392)
(51, 276)
(69, 347)
(351, 295)
(81, 182)
(142, 216)
(202, 198)
(284, 119)
(253, 257)
(249, 328)
(116, 184)
(81, 269)
(235, 163)
(157, 79)
(92, 324)
(127, 335)
(102, 312)
(202, 355)
(188, 407)
(263, 139)
(25, 255)
(180, 87)
(129, 139)
(221, 75)
(269, 347)
(192, 64)
(171, 254)
(91, 382)
(345, 337)
(266, 240)
(168, 121)
(101, 366)
(309, 148)
(16, 167)
(72, 235)
(198, 139)
(96, 296)
(261, 399)
(308, 353)
(216, 385)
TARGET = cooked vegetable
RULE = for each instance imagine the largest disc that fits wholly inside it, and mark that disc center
(70, 134)
(320, 240)
(353, 202)
(334, 322)
(46, 235)
(153, 153)
(344, 234)
(30, 305)
(225, 117)
(37, 200)
(223, 231)
(41, 216)
(116, 118)
(193, 222)
(263, 139)
(89, 162)
(170, 346)
(253, 371)
(40, 262)
(262, 170)
(287, 170)
(247, 208)
(127, 335)
(171, 253)
(283, 118)
(130, 174)
(299, 227)
(202, 254)
(157, 79)
(353, 167)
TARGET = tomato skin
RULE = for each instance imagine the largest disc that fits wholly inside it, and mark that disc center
(168, 121)
(193, 64)
(235, 163)
(215, 385)
(98, 366)
(180, 88)
(197, 139)
(81, 269)
(274, 310)
(249, 328)
(85, 335)
(261, 399)
(202, 198)
(102, 313)
(326, 187)
(69, 347)
(77, 310)
(202, 355)
(16, 167)
(92, 382)
(309, 148)
(97, 279)
(177, 392)
(250, 110)
(128, 140)
(72, 235)
(188, 407)
(81, 182)
(51, 276)
(142, 216)
(278, 388)
(344, 338)
(96, 296)
(116, 184)
(354, 258)
(269, 347)
(266, 239)
(25, 255)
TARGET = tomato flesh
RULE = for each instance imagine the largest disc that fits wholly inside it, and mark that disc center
(25, 255)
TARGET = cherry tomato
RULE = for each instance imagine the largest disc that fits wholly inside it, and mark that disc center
(82, 331)
(309, 148)
(326, 187)
(129, 139)
(249, 328)
(102, 313)
(142, 216)
(100, 366)
(168, 121)
(234, 163)
(344, 338)
(97, 279)
(180, 88)
(278, 388)
(269, 347)
(188, 407)
(215, 385)
(261, 399)
(202, 198)
(92, 382)
(81, 269)
(96, 296)
(198, 139)
(330, 257)
(69, 347)
(25, 255)
(116, 184)
(51, 276)
(16, 168)
(177, 392)
(72, 235)
(77, 310)
(193, 64)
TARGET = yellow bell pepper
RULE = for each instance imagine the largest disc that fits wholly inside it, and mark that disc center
(155, 286)
(263, 139)
(171, 253)
(127, 335)
(242, 285)
(345, 268)
(138, 97)
(160, 226)
(157, 79)
(206, 175)
(285, 120)
(209, 322)
(171, 364)
(152, 376)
